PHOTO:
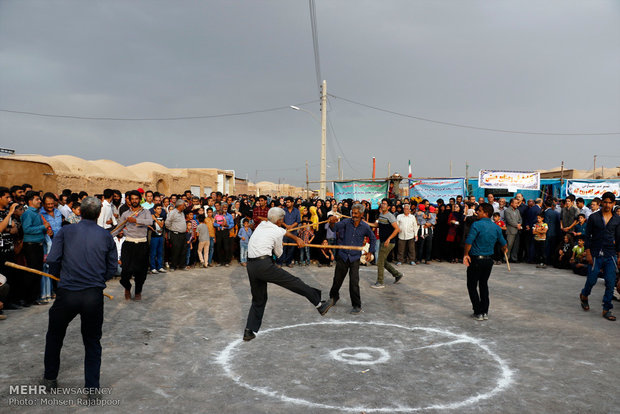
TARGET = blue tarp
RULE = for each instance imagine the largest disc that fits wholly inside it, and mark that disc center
(549, 187)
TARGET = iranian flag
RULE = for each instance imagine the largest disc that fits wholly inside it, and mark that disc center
(409, 170)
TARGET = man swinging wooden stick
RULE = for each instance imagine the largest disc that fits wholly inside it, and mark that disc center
(264, 243)
(40, 273)
(84, 256)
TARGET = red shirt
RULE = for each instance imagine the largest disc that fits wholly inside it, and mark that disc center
(259, 212)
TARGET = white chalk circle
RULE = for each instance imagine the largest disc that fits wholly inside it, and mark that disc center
(317, 365)
(361, 355)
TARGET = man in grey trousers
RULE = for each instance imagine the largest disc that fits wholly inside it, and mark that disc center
(513, 220)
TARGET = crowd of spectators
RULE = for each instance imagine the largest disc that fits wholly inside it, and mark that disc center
(188, 231)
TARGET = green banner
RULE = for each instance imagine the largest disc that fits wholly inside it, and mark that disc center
(371, 191)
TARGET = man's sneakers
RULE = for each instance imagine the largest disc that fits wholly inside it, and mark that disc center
(477, 316)
(356, 310)
(616, 295)
(412, 263)
(607, 314)
(397, 279)
(485, 316)
(162, 270)
(154, 271)
(377, 286)
(584, 302)
(324, 306)
(248, 335)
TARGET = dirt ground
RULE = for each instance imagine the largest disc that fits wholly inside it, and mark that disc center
(414, 348)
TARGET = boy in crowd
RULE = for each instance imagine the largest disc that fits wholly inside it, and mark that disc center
(244, 239)
(578, 259)
(307, 235)
(539, 231)
(579, 231)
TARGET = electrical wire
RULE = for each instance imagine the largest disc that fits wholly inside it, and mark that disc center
(507, 131)
(331, 127)
(315, 41)
(172, 118)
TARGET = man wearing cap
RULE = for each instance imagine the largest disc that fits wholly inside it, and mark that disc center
(266, 241)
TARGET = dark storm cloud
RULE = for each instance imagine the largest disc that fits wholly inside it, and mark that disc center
(539, 66)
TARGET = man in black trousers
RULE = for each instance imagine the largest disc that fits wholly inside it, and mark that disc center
(478, 257)
(83, 256)
(265, 241)
(135, 250)
(351, 232)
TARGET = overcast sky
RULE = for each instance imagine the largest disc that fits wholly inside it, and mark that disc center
(541, 66)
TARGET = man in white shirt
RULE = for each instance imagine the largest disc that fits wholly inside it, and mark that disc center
(119, 240)
(106, 218)
(266, 241)
(495, 204)
(64, 205)
(581, 205)
(407, 236)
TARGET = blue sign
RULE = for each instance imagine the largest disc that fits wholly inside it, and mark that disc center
(434, 189)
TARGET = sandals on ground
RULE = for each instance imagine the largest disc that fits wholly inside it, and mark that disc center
(584, 302)
(609, 315)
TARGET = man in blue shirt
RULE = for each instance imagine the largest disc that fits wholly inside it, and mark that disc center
(53, 216)
(350, 232)
(84, 256)
(480, 242)
(602, 253)
(35, 230)
(291, 219)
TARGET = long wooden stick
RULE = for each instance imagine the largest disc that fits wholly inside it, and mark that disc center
(124, 222)
(316, 224)
(320, 246)
(38, 272)
(507, 262)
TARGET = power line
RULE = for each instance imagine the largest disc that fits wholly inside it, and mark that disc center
(331, 127)
(172, 118)
(315, 41)
(507, 131)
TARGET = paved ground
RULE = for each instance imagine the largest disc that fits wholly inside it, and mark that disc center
(414, 348)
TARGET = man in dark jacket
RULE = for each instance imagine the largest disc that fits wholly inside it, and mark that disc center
(84, 256)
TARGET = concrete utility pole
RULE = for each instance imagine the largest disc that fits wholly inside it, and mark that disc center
(339, 168)
(307, 184)
(323, 190)
(594, 168)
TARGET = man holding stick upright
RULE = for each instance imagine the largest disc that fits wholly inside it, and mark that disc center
(480, 242)
(135, 250)
(84, 256)
(350, 232)
(265, 241)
